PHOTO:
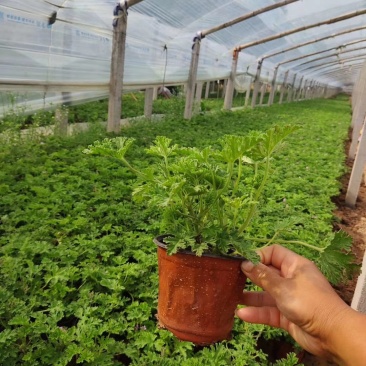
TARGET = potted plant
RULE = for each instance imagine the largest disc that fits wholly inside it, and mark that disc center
(207, 199)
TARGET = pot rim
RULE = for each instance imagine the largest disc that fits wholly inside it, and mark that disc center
(158, 240)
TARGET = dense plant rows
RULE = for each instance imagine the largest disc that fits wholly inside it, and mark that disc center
(78, 271)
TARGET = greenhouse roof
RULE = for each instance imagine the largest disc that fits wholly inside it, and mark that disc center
(66, 44)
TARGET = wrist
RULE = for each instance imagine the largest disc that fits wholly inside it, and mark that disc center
(347, 338)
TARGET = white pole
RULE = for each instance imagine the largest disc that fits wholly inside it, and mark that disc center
(228, 103)
(192, 77)
(357, 171)
(283, 87)
(117, 67)
(273, 86)
(257, 83)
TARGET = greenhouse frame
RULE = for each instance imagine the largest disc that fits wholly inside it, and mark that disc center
(56, 53)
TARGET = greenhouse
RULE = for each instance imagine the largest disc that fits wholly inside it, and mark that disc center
(182, 182)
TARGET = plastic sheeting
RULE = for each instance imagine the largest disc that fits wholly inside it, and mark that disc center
(59, 46)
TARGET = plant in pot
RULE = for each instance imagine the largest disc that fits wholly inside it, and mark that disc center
(207, 199)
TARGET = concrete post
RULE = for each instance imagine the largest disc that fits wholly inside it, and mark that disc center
(117, 67)
(198, 97)
(207, 90)
(263, 90)
(283, 87)
(357, 170)
(290, 96)
(247, 97)
(273, 87)
(257, 80)
(149, 98)
(62, 120)
(359, 297)
(224, 88)
(192, 77)
(228, 103)
(298, 90)
(155, 93)
(359, 112)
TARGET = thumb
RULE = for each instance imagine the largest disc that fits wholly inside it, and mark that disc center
(263, 276)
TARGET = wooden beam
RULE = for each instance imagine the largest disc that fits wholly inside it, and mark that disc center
(301, 29)
(323, 51)
(247, 16)
(294, 47)
(338, 62)
(325, 57)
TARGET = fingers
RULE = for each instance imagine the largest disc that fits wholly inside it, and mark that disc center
(263, 276)
(258, 299)
(267, 315)
(281, 258)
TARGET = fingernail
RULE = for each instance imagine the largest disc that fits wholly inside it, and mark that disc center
(247, 266)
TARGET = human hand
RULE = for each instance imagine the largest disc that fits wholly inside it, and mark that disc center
(297, 298)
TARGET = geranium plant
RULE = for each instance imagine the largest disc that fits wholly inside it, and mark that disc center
(208, 197)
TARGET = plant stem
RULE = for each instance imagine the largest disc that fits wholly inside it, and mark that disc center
(236, 185)
(256, 197)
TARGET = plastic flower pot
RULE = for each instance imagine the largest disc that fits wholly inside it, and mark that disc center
(198, 295)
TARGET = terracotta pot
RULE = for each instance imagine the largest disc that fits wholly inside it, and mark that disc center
(198, 295)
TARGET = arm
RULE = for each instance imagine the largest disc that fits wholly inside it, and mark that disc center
(299, 299)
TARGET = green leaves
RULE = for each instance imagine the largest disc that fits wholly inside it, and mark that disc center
(200, 193)
(337, 261)
(162, 147)
(78, 267)
(115, 148)
(272, 140)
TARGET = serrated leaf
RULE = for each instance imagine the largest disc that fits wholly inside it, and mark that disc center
(115, 148)
(337, 259)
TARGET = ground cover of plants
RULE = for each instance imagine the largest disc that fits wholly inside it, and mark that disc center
(78, 270)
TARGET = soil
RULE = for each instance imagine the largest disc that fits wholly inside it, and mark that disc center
(353, 221)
